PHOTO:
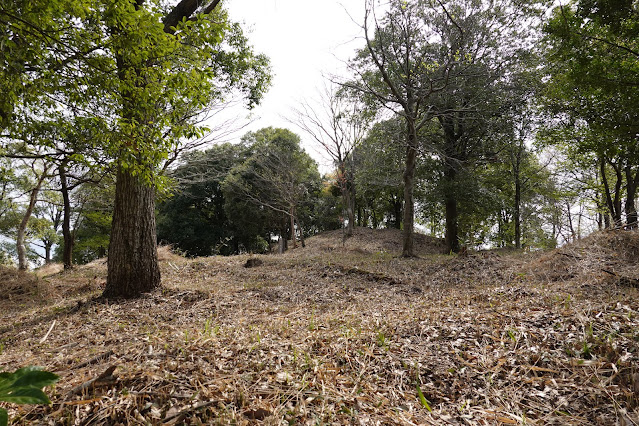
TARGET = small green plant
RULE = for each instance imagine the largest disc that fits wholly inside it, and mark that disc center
(24, 386)
(586, 351)
(311, 325)
(207, 327)
(422, 399)
(382, 340)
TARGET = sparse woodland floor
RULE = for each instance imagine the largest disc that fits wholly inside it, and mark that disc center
(334, 334)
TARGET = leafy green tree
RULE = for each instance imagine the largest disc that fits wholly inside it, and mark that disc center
(441, 60)
(90, 223)
(593, 60)
(148, 70)
(379, 163)
(401, 67)
(193, 219)
(279, 180)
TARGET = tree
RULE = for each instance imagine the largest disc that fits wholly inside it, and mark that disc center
(192, 40)
(400, 69)
(593, 60)
(379, 161)
(278, 177)
(193, 219)
(337, 125)
(148, 71)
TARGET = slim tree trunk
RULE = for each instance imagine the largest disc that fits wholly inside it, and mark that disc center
(67, 236)
(632, 181)
(133, 259)
(292, 220)
(517, 212)
(450, 177)
(23, 265)
(452, 214)
(299, 225)
(409, 184)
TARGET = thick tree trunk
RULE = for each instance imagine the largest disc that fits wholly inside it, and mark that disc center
(397, 211)
(133, 260)
(67, 236)
(409, 184)
(614, 205)
(450, 176)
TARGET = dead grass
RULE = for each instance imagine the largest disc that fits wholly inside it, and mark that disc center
(341, 334)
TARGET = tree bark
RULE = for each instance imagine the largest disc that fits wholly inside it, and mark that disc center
(292, 220)
(452, 214)
(517, 212)
(614, 205)
(397, 211)
(21, 248)
(133, 260)
(346, 197)
(409, 184)
(632, 182)
(450, 176)
(67, 236)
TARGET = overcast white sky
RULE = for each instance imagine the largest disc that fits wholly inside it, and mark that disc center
(303, 39)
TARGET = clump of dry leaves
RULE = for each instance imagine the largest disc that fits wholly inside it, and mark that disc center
(339, 333)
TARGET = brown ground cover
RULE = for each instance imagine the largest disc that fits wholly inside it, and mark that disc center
(340, 333)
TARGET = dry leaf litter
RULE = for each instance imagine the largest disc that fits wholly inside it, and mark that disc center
(339, 333)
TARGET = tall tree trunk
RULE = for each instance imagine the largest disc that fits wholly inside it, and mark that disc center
(292, 220)
(23, 264)
(299, 225)
(517, 212)
(614, 205)
(397, 211)
(133, 259)
(452, 214)
(409, 184)
(67, 236)
(450, 177)
(632, 182)
(347, 197)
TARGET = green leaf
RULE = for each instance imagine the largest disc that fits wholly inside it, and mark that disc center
(422, 399)
(4, 417)
(25, 396)
(34, 377)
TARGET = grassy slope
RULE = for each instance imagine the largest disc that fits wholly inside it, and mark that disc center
(341, 333)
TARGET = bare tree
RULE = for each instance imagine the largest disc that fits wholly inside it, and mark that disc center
(337, 124)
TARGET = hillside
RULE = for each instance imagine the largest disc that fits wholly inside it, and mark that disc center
(340, 333)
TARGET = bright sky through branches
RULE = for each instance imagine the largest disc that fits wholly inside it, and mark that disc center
(304, 40)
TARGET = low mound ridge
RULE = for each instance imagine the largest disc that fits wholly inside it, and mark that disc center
(367, 240)
(605, 257)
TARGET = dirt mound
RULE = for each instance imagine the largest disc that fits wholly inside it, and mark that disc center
(366, 240)
(15, 284)
(607, 256)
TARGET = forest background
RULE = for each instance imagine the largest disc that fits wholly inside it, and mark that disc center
(488, 124)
